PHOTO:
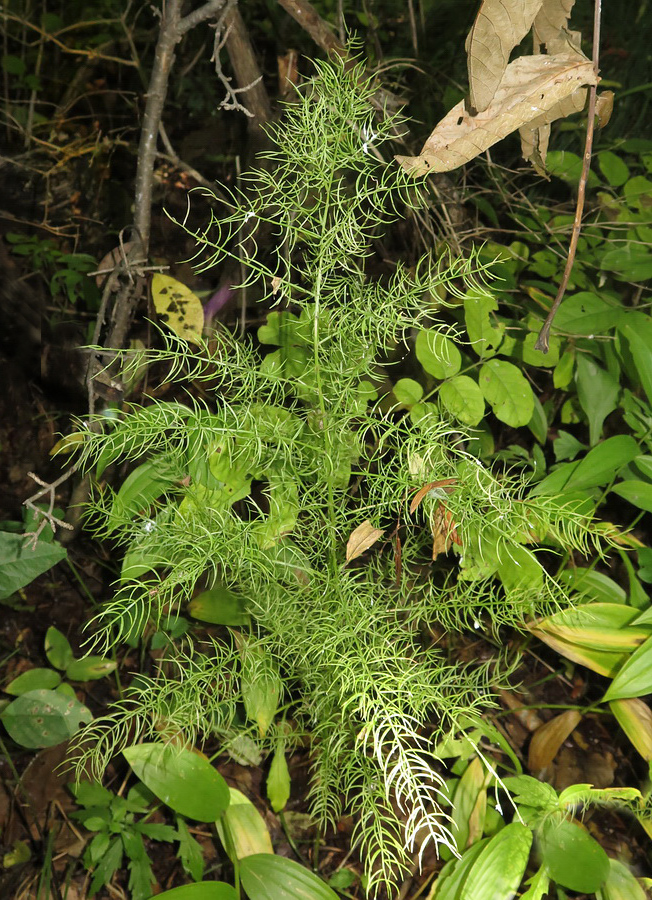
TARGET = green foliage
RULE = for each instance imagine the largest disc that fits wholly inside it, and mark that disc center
(255, 491)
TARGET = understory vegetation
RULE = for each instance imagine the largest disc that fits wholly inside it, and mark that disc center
(344, 522)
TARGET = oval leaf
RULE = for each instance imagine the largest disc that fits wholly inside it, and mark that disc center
(361, 539)
(90, 668)
(268, 877)
(44, 718)
(507, 391)
(463, 399)
(572, 857)
(183, 780)
(204, 890)
(33, 680)
(437, 354)
(638, 493)
(242, 829)
(278, 780)
(178, 307)
(219, 606)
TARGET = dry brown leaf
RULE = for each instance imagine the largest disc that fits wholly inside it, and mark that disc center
(444, 532)
(604, 106)
(532, 85)
(361, 538)
(547, 739)
(551, 20)
(535, 135)
(425, 490)
(499, 26)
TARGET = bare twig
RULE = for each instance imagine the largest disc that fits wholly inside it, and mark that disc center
(246, 69)
(46, 516)
(544, 334)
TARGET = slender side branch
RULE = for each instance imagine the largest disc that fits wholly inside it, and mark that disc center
(544, 334)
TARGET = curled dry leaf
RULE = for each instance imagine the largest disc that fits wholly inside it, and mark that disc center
(444, 532)
(535, 135)
(604, 106)
(547, 739)
(499, 26)
(532, 85)
(431, 486)
(361, 538)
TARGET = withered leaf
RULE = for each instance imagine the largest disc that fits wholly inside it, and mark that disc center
(532, 85)
(425, 490)
(499, 26)
(444, 532)
(604, 106)
(361, 539)
(535, 135)
(547, 739)
(551, 20)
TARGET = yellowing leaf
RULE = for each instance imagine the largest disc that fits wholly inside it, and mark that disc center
(499, 26)
(361, 538)
(531, 86)
(178, 307)
(547, 739)
(242, 829)
(635, 718)
(68, 443)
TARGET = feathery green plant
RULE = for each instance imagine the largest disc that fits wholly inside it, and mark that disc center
(259, 488)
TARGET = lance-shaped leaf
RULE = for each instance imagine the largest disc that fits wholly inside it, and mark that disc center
(361, 539)
(547, 739)
(499, 26)
(635, 677)
(635, 718)
(531, 86)
(597, 626)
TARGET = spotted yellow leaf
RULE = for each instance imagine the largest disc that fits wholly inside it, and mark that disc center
(178, 307)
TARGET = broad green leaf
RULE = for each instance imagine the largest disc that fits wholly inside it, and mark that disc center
(454, 874)
(638, 190)
(463, 399)
(219, 606)
(563, 374)
(636, 328)
(268, 877)
(593, 585)
(620, 884)
(437, 354)
(566, 446)
(499, 869)
(638, 493)
(484, 336)
(204, 890)
(407, 391)
(537, 357)
(572, 857)
(598, 393)
(44, 718)
(568, 166)
(507, 391)
(278, 780)
(613, 167)
(139, 490)
(178, 307)
(597, 468)
(33, 680)
(631, 261)
(183, 780)
(20, 564)
(90, 668)
(635, 718)
(519, 569)
(587, 313)
(242, 829)
(635, 677)
(57, 648)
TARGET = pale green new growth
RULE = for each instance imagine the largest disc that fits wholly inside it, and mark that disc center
(359, 673)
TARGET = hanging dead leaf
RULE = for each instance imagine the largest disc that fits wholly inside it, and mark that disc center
(431, 486)
(361, 539)
(547, 739)
(551, 20)
(604, 106)
(444, 532)
(178, 307)
(535, 135)
(532, 85)
(499, 26)
(112, 258)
